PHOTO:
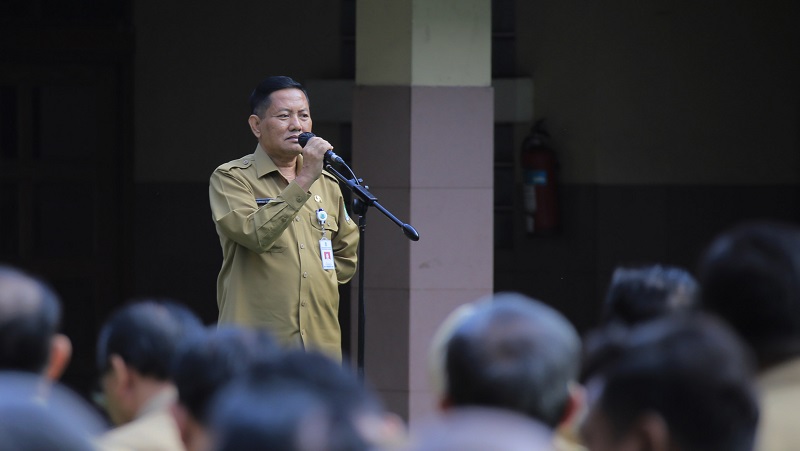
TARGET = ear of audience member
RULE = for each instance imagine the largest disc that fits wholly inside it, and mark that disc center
(514, 353)
(135, 350)
(204, 364)
(681, 382)
(30, 315)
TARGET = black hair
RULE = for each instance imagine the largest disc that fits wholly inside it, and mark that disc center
(690, 369)
(30, 313)
(274, 397)
(284, 415)
(344, 395)
(145, 334)
(338, 384)
(750, 276)
(203, 364)
(259, 98)
(514, 353)
(639, 294)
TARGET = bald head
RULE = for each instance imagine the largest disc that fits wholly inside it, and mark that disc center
(515, 353)
(29, 318)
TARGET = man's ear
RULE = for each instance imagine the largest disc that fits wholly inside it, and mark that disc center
(444, 403)
(122, 376)
(576, 404)
(254, 121)
(653, 432)
(574, 415)
(60, 355)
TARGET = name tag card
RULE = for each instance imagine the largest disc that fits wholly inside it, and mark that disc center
(326, 252)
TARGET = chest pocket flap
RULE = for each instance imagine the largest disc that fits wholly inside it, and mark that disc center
(331, 225)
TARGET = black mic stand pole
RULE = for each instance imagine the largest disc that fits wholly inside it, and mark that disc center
(361, 204)
(360, 208)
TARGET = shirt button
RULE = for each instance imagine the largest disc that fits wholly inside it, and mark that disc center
(305, 274)
(303, 332)
(302, 303)
(299, 199)
(302, 246)
(296, 219)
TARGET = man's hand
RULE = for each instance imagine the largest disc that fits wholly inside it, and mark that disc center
(313, 154)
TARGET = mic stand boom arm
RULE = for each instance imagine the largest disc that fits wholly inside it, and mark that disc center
(369, 200)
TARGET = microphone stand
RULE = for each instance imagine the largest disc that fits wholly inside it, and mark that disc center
(364, 199)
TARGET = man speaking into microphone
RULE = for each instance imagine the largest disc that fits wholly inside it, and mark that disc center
(287, 240)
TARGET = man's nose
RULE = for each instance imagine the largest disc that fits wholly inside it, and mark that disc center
(294, 123)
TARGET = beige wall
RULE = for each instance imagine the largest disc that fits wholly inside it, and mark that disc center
(423, 43)
(422, 137)
(667, 92)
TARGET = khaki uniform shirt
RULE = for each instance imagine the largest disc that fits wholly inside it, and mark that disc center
(272, 273)
(779, 427)
(153, 429)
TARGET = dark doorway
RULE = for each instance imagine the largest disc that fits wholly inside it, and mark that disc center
(65, 169)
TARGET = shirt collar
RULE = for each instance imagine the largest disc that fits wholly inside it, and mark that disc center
(265, 165)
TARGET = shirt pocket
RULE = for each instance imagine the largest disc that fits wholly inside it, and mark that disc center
(331, 225)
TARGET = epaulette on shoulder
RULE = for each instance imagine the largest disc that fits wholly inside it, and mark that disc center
(239, 163)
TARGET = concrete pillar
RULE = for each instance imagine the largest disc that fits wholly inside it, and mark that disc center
(423, 118)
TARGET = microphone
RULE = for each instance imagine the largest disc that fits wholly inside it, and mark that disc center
(329, 158)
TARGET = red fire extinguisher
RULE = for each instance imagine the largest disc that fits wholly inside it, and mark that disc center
(539, 182)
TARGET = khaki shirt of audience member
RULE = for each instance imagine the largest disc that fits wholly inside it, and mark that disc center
(780, 396)
(152, 429)
(272, 274)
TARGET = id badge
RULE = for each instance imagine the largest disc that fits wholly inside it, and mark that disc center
(326, 252)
